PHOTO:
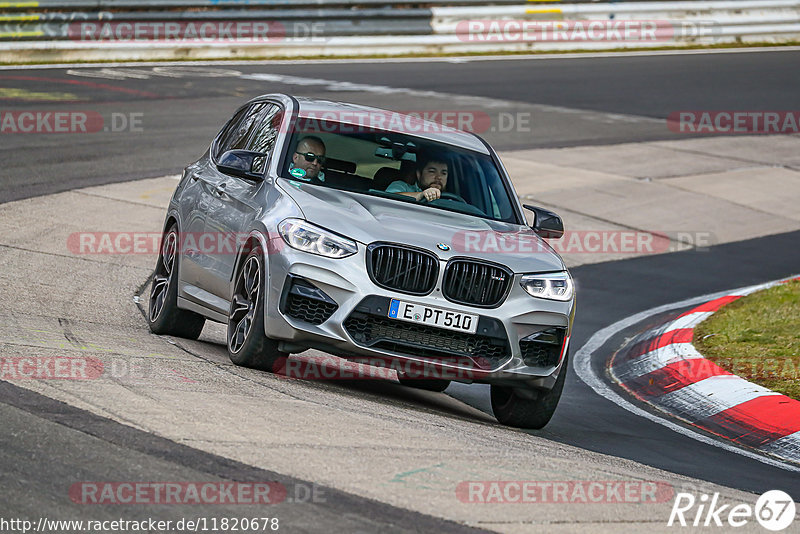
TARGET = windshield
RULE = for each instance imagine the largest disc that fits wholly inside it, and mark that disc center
(400, 167)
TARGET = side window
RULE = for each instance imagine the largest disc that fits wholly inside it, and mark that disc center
(247, 127)
(265, 135)
(228, 131)
(239, 130)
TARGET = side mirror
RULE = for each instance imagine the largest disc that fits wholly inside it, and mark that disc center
(546, 223)
(244, 164)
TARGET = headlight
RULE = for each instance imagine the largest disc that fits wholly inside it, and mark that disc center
(307, 237)
(553, 286)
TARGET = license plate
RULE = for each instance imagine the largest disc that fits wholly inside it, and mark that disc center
(428, 315)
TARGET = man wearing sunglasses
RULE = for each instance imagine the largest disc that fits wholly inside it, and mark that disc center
(308, 159)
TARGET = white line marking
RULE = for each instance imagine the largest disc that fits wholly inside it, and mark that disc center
(582, 363)
(111, 74)
(747, 290)
(689, 320)
(145, 74)
(711, 396)
(484, 102)
(335, 85)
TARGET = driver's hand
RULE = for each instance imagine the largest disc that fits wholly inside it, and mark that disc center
(431, 193)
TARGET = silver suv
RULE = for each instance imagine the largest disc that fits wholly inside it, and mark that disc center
(374, 236)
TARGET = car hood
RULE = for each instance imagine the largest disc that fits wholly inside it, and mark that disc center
(368, 219)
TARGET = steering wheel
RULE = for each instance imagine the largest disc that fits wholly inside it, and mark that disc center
(451, 196)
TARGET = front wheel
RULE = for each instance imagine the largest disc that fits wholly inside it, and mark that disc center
(247, 344)
(163, 315)
(514, 410)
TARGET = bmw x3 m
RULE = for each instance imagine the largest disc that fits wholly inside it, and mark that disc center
(374, 236)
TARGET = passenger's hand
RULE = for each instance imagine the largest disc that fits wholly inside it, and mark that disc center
(432, 193)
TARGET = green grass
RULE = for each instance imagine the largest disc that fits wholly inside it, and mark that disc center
(758, 338)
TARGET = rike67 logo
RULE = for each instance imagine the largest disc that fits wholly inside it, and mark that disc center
(774, 510)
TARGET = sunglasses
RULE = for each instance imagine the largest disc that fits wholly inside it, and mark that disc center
(310, 157)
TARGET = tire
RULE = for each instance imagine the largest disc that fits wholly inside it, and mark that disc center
(163, 315)
(512, 410)
(247, 344)
(428, 384)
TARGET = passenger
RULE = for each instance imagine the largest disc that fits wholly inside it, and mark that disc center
(310, 157)
(431, 179)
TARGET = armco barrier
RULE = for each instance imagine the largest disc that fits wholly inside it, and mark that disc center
(70, 30)
(293, 23)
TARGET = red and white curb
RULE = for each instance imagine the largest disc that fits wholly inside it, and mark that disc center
(663, 368)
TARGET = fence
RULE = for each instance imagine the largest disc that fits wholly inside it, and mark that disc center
(171, 29)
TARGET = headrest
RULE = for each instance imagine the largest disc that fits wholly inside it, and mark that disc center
(384, 176)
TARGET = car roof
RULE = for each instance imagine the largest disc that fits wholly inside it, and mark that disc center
(393, 121)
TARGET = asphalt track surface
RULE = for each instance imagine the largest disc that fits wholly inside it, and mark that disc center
(45, 442)
(181, 114)
(571, 102)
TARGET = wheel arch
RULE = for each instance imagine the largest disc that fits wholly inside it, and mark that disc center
(254, 238)
(171, 219)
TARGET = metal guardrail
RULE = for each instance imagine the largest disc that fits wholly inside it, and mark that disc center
(92, 29)
(244, 4)
(297, 22)
(696, 19)
(113, 5)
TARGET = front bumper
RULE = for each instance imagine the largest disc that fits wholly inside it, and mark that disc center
(347, 315)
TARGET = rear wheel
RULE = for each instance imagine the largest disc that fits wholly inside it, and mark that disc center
(247, 344)
(514, 410)
(428, 384)
(164, 316)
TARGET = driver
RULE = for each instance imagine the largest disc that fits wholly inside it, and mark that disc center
(431, 179)
(308, 159)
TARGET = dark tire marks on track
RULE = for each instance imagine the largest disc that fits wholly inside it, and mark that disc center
(66, 445)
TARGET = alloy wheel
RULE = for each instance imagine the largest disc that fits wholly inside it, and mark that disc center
(163, 275)
(245, 300)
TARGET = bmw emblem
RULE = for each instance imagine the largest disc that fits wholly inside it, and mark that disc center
(442, 246)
